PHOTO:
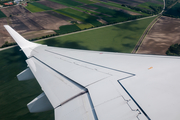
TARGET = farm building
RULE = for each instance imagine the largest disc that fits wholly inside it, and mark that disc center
(9, 3)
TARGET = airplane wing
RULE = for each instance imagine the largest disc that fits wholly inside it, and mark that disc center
(95, 85)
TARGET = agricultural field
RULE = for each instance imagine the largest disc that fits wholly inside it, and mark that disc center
(41, 6)
(60, 16)
(135, 3)
(162, 35)
(85, 26)
(109, 15)
(116, 6)
(174, 11)
(39, 24)
(2, 14)
(67, 29)
(74, 14)
(147, 5)
(15, 94)
(3, 33)
(68, 3)
(51, 4)
(33, 8)
(85, 1)
(117, 38)
(14, 10)
(80, 16)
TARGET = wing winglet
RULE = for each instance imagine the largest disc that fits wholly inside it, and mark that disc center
(24, 44)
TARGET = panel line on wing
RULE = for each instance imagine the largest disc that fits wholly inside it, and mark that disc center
(74, 82)
(90, 63)
(134, 100)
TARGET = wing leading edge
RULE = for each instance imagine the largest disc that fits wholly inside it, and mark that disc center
(91, 85)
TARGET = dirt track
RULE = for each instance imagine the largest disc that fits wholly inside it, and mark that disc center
(163, 34)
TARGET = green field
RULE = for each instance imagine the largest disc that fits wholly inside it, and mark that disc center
(85, 26)
(119, 38)
(86, 1)
(41, 6)
(146, 5)
(2, 14)
(74, 14)
(69, 3)
(174, 11)
(122, 7)
(33, 8)
(111, 16)
(14, 94)
(67, 29)
(80, 16)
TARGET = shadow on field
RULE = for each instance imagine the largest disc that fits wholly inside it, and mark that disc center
(13, 55)
(128, 45)
(109, 49)
(131, 26)
(67, 44)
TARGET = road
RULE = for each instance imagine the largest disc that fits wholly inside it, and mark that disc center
(148, 29)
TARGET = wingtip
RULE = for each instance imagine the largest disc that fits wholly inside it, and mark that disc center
(21, 41)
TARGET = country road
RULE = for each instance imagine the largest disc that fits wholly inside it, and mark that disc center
(147, 30)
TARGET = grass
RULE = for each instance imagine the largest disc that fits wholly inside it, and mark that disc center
(41, 6)
(147, 4)
(67, 29)
(111, 16)
(14, 94)
(119, 38)
(84, 26)
(122, 7)
(174, 11)
(80, 16)
(86, 1)
(69, 3)
(85, 10)
(2, 14)
(33, 8)
(74, 14)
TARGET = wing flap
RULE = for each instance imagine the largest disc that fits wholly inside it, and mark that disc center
(57, 88)
(79, 108)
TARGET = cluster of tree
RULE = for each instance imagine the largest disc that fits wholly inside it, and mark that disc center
(169, 15)
(155, 9)
(44, 37)
(169, 3)
(6, 44)
(174, 50)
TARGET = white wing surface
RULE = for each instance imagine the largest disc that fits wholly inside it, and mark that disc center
(92, 85)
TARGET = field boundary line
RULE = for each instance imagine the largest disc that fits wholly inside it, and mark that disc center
(96, 28)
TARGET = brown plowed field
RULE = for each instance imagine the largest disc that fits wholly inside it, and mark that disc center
(47, 21)
(162, 35)
(3, 32)
(14, 10)
(52, 4)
